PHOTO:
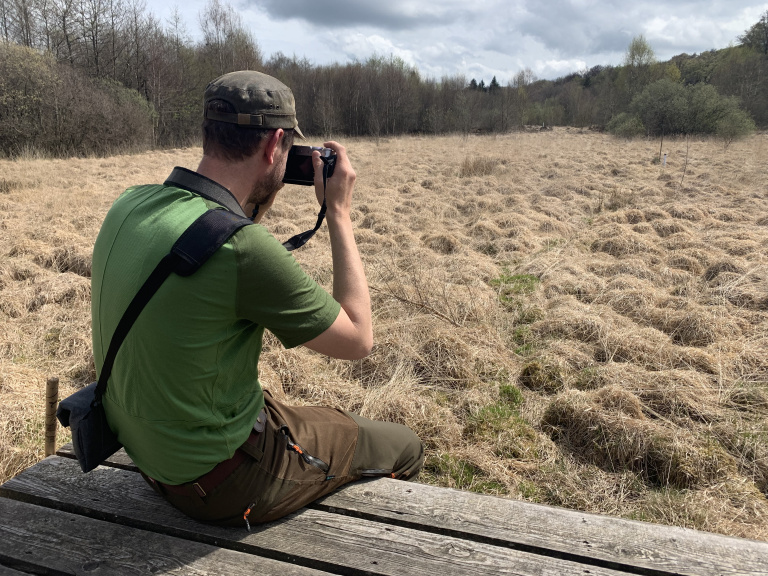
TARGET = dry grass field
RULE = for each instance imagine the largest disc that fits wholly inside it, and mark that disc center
(560, 318)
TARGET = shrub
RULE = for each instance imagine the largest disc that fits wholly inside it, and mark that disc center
(55, 109)
(27, 78)
(667, 107)
(662, 107)
(626, 125)
(734, 125)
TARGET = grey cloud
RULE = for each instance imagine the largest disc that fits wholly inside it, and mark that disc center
(569, 30)
(605, 27)
(456, 36)
(616, 40)
(393, 15)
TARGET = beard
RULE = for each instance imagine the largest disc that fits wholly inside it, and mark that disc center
(264, 189)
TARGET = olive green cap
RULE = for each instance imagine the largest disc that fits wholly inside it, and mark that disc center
(260, 101)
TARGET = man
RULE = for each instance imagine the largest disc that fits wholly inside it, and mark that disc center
(184, 397)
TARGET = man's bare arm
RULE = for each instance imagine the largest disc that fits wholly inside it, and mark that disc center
(351, 336)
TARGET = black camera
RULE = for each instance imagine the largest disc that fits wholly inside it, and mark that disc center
(299, 169)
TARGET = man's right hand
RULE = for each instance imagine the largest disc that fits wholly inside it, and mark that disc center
(338, 192)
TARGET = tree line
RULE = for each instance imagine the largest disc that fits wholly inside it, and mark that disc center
(98, 76)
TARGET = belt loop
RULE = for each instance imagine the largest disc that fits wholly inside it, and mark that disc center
(261, 421)
(152, 482)
(251, 447)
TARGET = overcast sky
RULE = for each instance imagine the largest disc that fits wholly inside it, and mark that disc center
(483, 38)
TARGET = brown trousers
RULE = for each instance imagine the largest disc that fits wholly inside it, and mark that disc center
(274, 480)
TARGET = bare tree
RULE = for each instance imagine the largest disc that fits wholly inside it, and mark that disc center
(23, 20)
(227, 44)
(64, 36)
(115, 39)
(518, 96)
(136, 58)
(91, 16)
(6, 20)
(178, 46)
(348, 80)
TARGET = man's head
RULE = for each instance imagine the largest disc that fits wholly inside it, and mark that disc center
(241, 110)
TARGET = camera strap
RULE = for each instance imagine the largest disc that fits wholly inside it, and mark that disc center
(299, 240)
(207, 188)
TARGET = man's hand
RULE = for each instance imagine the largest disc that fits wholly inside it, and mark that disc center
(351, 335)
(338, 193)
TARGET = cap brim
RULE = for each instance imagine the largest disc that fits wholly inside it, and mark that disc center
(298, 131)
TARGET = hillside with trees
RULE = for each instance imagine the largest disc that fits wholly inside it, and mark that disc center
(101, 76)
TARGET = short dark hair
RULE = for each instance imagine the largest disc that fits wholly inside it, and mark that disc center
(233, 142)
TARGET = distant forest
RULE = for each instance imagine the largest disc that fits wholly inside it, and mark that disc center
(104, 76)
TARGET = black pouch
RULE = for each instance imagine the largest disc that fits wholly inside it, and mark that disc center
(92, 438)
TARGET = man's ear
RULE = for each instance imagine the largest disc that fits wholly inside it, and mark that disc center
(274, 140)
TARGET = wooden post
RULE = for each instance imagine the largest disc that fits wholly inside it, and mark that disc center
(51, 403)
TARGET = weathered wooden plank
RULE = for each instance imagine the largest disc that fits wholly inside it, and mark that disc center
(118, 460)
(543, 529)
(38, 540)
(532, 527)
(313, 538)
(6, 571)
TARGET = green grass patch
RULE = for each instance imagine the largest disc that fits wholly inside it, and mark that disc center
(501, 425)
(491, 418)
(489, 487)
(512, 290)
(511, 395)
(446, 470)
(451, 472)
(530, 491)
(524, 340)
(587, 379)
(518, 441)
(511, 285)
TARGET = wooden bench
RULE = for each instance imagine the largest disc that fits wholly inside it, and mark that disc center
(56, 520)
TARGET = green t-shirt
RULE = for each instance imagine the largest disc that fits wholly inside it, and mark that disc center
(184, 392)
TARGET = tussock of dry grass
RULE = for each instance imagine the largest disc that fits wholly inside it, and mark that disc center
(584, 334)
(607, 428)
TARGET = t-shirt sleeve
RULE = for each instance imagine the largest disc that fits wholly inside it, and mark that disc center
(276, 293)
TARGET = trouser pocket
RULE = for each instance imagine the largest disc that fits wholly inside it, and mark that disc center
(292, 446)
(313, 442)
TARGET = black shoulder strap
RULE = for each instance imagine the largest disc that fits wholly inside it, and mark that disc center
(198, 243)
(205, 187)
